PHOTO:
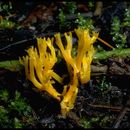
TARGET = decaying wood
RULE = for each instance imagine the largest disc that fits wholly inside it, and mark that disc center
(99, 69)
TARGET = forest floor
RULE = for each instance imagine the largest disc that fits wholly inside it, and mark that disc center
(103, 102)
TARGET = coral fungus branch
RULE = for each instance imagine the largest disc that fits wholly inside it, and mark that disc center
(39, 66)
(78, 66)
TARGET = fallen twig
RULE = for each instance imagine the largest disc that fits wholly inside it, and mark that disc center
(113, 108)
(120, 117)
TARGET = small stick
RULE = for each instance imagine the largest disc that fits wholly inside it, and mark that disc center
(101, 40)
(117, 108)
(120, 117)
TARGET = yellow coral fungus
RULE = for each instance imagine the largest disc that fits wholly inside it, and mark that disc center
(40, 61)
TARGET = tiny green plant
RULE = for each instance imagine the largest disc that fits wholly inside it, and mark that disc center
(6, 13)
(5, 23)
(90, 4)
(18, 103)
(5, 8)
(4, 117)
(17, 123)
(116, 31)
(62, 19)
(4, 95)
(85, 123)
(126, 21)
(68, 9)
(104, 85)
(88, 123)
(84, 23)
(103, 120)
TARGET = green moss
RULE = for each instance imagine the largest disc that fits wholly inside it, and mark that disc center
(14, 110)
